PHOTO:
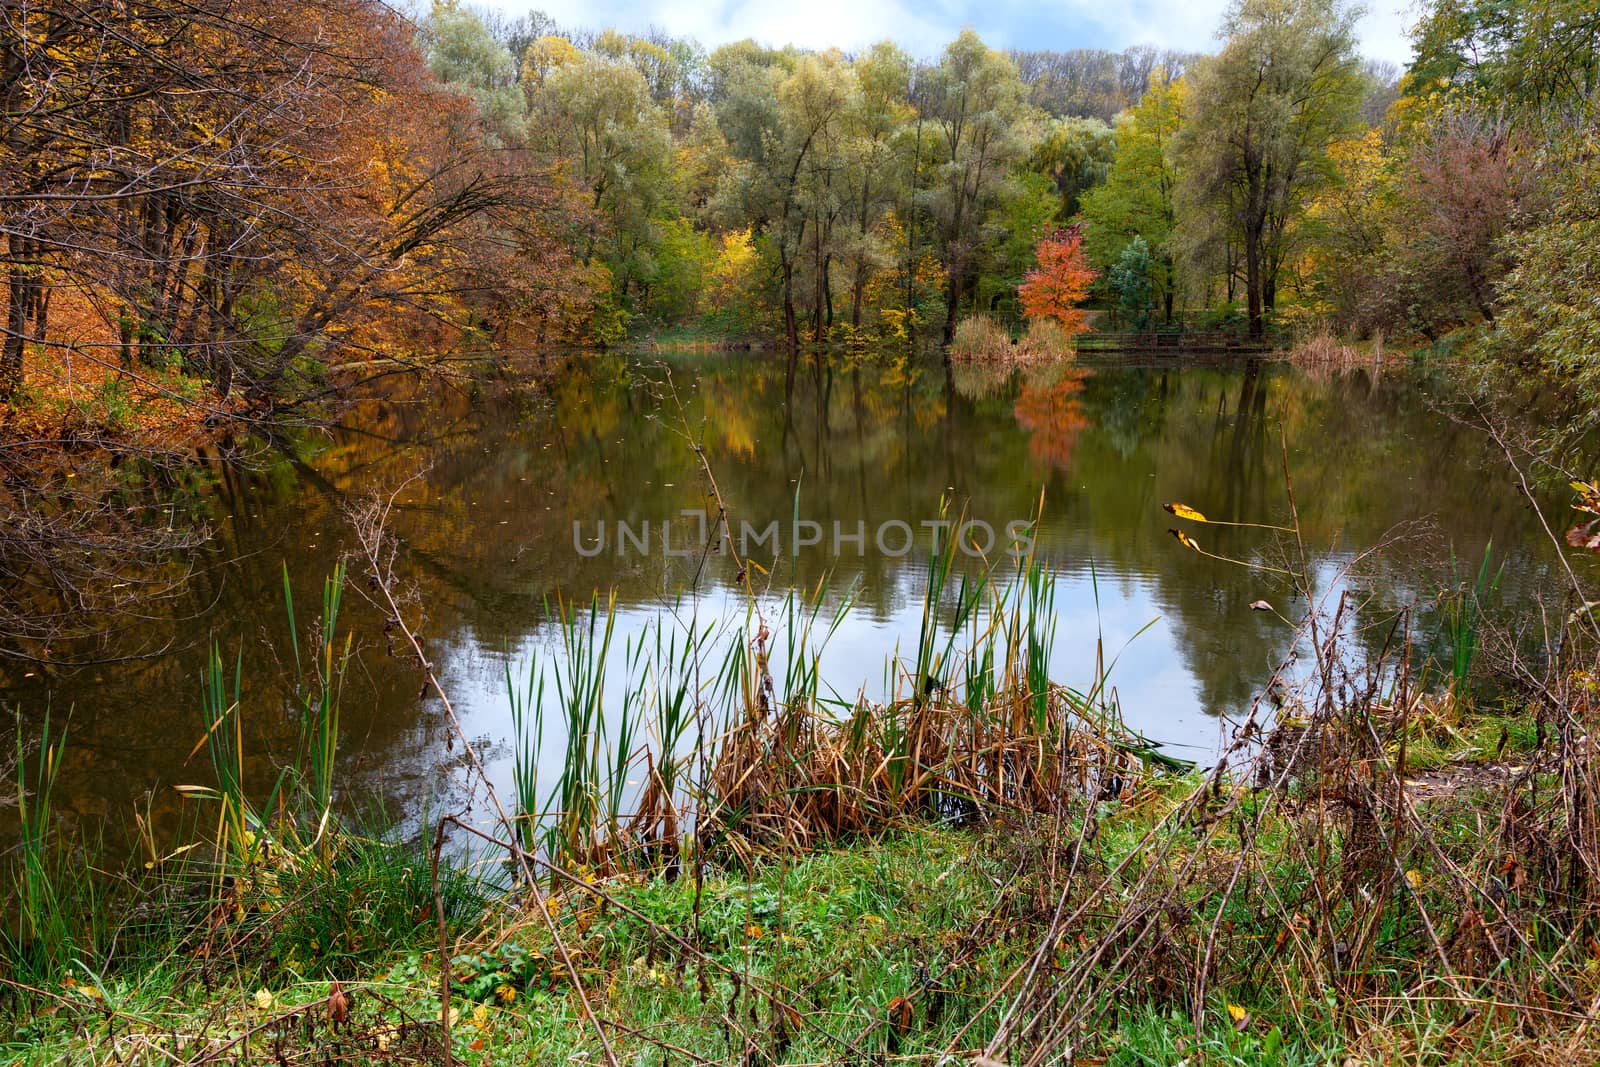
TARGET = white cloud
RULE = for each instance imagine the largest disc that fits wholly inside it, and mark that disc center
(1385, 29)
(924, 28)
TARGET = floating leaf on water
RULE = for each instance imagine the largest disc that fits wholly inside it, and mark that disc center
(1585, 535)
(1260, 605)
(1184, 511)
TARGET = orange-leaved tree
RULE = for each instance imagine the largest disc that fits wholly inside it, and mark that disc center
(1055, 288)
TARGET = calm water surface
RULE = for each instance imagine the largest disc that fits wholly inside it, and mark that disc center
(494, 474)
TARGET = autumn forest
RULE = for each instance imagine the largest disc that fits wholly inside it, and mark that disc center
(527, 541)
(245, 195)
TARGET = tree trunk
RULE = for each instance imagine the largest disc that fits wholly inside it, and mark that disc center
(827, 289)
(1253, 281)
(791, 327)
(22, 294)
(11, 350)
(1166, 290)
(952, 301)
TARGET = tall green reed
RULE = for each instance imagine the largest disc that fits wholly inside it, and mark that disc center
(527, 726)
(221, 709)
(51, 919)
(302, 792)
(319, 696)
(989, 624)
(932, 652)
(1461, 616)
(580, 677)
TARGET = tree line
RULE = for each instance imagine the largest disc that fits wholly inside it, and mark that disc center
(247, 191)
(822, 195)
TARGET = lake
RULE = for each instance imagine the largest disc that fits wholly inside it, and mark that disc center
(524, 487)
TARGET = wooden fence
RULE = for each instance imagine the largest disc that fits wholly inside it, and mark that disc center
(1169, 341)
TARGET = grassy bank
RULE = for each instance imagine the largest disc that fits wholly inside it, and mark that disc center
(1075, 939)
(734, 864)
(887, 948)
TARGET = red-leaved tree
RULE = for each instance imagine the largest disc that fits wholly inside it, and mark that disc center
(1055, 288)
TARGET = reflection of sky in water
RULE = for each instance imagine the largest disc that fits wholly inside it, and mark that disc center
(1097, 614)
(485, 532)
(1158, 696)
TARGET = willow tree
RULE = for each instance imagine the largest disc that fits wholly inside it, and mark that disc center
(463, 54)
(782, 116)
(1525, 54)
(973, 100)
(1263, 113)
(1136, 199)
(822, 97)
(1075, 154)
(876, 172)
(595, 114)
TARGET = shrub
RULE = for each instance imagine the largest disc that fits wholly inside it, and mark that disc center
(980, 339)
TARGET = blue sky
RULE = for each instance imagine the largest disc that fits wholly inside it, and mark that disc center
(924, 26)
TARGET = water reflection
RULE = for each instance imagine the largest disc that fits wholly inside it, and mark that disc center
(493, 473)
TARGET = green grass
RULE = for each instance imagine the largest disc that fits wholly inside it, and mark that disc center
(1097, 901)
(889, 948)
(1457, 736)
(705, 335)
(799, 961)
(375, 896)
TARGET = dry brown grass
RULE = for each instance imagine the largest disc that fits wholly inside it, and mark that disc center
(981, 340)
(1322, 353)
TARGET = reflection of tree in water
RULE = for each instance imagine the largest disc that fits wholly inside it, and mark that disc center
(980, 381)
(1129, 409)
(509, 466)
(1050, 407)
